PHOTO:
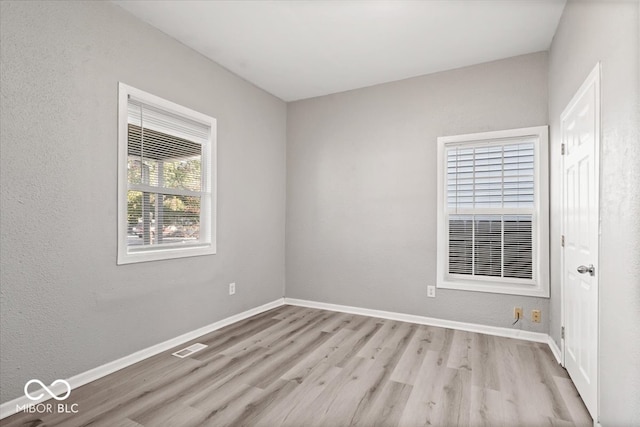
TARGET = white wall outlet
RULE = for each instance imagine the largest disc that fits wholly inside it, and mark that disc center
(431, 291)
(232, 288)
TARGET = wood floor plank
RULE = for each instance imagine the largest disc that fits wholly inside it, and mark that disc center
(407, 368)
(230, 407)
(460, 354)
(484, 363)
(439, 337)
(126, 422)
(246, 372)
(219, 343)
(284, 329)
(575, 405)
(338, 322)
(487, 408)
(310, 387)
(517, 406)
(120, 394)
(230, 373)
(332, 349)
(399, 337)
(287, 311)
(377, 342)
(172, 414)
(381, 371)
(280, 363)
(355, 321)
(234, 329)
(217, 396)
(453, 406)
(149, 401)
(440, 396)
(338, 402)
(550, 362)
(264, 369)
(370, 328)
(419, 407)
(388, 408)
(543, 391)
(264, 402)
(295, 366)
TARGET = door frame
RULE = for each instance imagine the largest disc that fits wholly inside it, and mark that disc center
(594, 77)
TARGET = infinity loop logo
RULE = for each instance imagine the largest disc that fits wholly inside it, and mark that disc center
(47, 389)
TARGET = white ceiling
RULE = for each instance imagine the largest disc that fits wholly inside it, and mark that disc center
(302, 49)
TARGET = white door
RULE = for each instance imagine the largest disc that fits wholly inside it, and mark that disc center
(580, 132)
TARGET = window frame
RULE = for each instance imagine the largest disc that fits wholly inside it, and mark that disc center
(207, 237)
(539, 285)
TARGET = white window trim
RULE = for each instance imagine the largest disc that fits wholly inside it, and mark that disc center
(538, 287)
(207, 245)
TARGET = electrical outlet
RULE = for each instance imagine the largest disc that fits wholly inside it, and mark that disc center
(536, 316)
(517, 313)
(431, 291)
(232, 288)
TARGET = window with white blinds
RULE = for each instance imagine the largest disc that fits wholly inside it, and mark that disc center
(493, 212)
(166, 180)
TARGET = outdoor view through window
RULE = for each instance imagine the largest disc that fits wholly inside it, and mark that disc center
(164, 177)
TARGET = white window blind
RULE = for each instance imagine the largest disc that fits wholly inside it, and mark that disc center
(493, 176)
(168, 178)
(493, 212)
(164, 122)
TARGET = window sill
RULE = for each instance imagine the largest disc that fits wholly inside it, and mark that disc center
(495, 288)
(131, 257)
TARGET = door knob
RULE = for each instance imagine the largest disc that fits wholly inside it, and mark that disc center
(583, 269)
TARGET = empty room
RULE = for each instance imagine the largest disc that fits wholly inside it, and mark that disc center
(320, 213)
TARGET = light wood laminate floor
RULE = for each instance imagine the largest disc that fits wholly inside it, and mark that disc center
(301, 367)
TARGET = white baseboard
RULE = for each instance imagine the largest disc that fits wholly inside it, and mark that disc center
(555, 350)
(422, 320)
(9, 408)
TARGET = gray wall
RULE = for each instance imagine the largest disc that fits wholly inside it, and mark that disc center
(608, 32)
(361, 187)
(66, 306)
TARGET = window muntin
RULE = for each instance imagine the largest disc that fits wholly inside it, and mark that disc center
(168, 151)
(493, 212)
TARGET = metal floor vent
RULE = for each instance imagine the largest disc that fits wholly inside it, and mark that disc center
(189, 350)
